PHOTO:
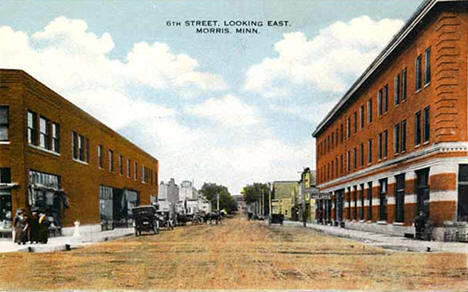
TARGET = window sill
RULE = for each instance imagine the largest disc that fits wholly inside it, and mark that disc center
(44, 150)
(425, 143)
(398, 223)
(418, 91)
(5, 142)
(79, 161)
(417, 146)
(382, 222)
(427, 84)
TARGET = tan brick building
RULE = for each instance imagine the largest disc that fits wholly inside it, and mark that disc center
(53, 154)
(396, 144)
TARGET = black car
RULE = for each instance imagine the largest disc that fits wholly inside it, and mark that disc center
(276, 219)
(145, 219)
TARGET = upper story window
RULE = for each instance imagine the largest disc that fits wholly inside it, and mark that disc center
(396, 138)
(403, 136)
(382, 100)
(32, 128)
(135, 170)
(5, 175)
(4, 123)
(403, 85)
(143, 174)
(99, 155)
(417, 128)
(426, 132)
(128, 167)
(427, 66)
(120, 164)
(80, 147)
(369, 151)
(341, 133)
(44, 133)
(348, 127)
(417, 73)
(111, 160)
(369, 111)
(55, 137)
(397, 89)
(361, 117)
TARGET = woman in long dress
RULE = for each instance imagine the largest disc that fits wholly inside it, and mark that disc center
(21, 227)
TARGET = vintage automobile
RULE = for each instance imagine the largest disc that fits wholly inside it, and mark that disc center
(145, 219)
(276, 219)
(165, 220)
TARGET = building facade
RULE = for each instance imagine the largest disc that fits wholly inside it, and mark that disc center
(396, 144)
(59, 159)
(168, 196)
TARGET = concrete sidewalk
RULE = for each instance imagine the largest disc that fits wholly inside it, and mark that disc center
(387, 241)
(63, 242)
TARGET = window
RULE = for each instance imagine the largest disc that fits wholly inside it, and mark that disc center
(417, 129)
(418, 73)
(55, 137)
(5, 175)
(111, 160)
(403, 136)
(4, 123)
(403, 85)
(32, 128)
(143, 174)
(385, 99)
(397, 89)
(361, 213)
(369, 198)
(462, 204)
(87, 149)
(348, 128)
(135, 170)
(75, 145)
(355, 122)
(128, 167)
(369, 111)
(426, 132)
(400, 198)
(348, 164)
(81, 148)
(396, 138)
(100, 159)
(361, 116)
(379, 102)
(341, 133)
(383, 200)
(120, 164)
(369, 151)
(427, 66)
(361, 152)
(44, 134)
(385, 144)
(355, 202)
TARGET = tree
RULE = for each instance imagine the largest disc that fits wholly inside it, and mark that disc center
(253, 192)
(226, 201)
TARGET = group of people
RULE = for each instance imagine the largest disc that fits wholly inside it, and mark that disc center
(34, 228)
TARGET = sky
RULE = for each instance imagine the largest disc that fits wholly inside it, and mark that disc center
(226, 108)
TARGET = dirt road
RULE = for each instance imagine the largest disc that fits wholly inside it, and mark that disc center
(235, 255)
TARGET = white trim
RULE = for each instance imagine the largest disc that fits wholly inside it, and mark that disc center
(5, 142)
(79, 161)
(437, 166)
(43, 149)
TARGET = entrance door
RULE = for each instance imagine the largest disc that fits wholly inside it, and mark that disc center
(423, 195)
(5, 207)
(106, 207)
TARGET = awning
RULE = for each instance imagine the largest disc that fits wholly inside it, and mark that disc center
(7, 186)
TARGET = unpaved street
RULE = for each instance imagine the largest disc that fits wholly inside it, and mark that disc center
(238, 254)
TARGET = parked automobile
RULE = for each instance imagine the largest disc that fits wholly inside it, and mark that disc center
(276, 219)
(145, 219)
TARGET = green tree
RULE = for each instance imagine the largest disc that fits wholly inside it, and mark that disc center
(253, 192)
(226, 201)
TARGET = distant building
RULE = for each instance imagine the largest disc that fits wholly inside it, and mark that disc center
(283, 198)
(168, 195)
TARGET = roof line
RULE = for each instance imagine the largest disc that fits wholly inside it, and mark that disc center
(414, 20)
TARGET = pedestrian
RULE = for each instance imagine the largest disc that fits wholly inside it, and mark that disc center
(419, 225)
(33, 222)
(21, 227)
(43, 231)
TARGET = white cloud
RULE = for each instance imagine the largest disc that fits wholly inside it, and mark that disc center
(327, 62)
(237, 150)
(228, 111)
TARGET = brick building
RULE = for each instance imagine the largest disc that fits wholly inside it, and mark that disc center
(54, 155)
(396, 143)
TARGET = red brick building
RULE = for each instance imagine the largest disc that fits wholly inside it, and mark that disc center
(54, 155)
(396, 144)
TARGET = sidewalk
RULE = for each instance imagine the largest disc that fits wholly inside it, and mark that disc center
(387, 241)
(63, 242)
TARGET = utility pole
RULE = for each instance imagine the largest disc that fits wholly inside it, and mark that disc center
(217, 202)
